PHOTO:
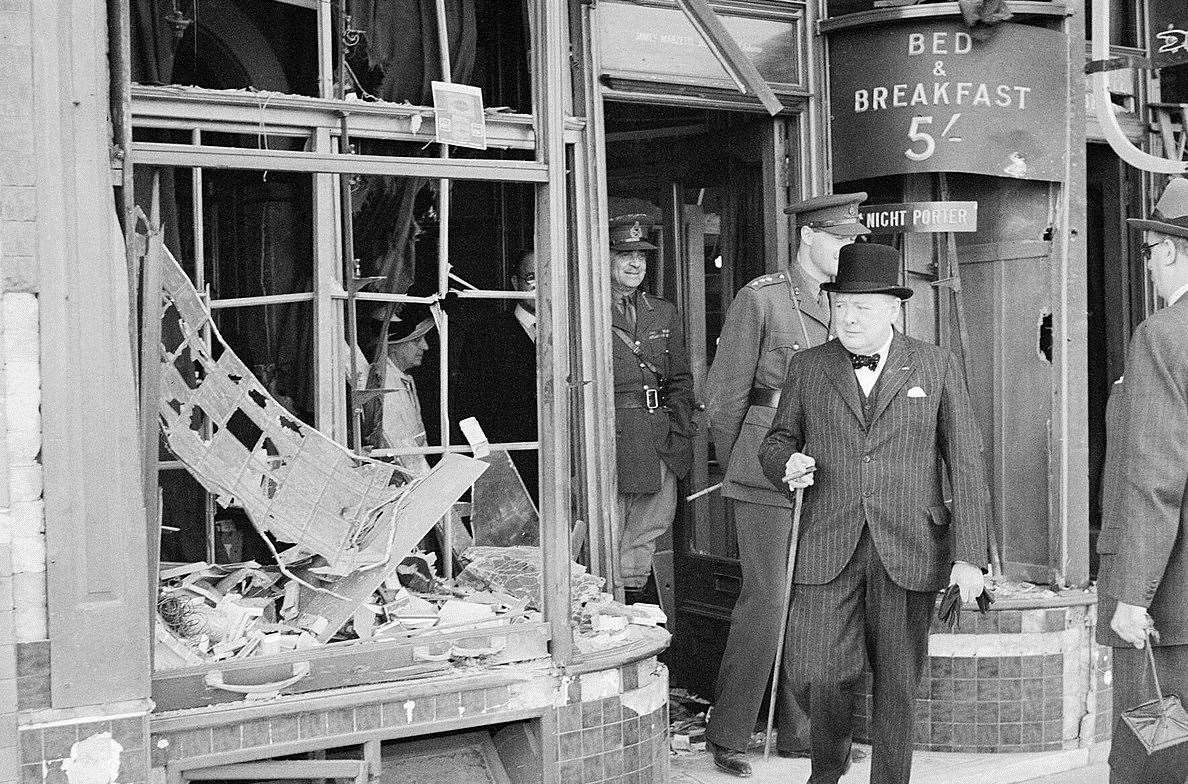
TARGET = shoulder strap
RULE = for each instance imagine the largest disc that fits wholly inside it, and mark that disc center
(626, 340)
(799, 313)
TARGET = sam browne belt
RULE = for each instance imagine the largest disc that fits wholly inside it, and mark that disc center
(761, 396)
(648, 399)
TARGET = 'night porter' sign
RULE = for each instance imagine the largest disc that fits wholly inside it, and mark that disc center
(920, 217)
(928, 97)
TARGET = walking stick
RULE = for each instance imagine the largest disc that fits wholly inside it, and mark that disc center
(775, 674)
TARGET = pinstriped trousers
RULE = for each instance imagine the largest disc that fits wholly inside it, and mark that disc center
(859, 619)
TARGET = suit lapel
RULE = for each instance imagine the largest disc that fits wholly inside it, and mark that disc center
(841, 373)
(896, 372)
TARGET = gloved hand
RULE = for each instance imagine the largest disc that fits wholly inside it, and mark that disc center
(949, 611)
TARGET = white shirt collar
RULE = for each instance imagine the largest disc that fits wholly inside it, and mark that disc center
(1177, 294)
(527, 321)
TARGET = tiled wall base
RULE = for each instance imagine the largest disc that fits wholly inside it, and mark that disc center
(617, 738)
(604, 727)
(1017, 679)
(49, 738)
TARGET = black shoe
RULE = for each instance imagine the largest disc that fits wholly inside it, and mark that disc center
(795, 753)
(731, 761)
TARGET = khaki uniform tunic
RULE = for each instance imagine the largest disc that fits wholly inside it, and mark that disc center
(772, 318)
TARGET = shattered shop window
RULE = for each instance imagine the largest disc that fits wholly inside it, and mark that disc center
(478, 375)
(276, 536)
(226, 45)
(392, 51)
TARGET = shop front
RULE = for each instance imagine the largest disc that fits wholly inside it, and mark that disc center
(348, 496)
(301, 193)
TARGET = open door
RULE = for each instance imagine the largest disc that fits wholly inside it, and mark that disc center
(712, 175)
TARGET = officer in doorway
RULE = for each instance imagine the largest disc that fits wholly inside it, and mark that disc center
(772, 317)
(653, 396)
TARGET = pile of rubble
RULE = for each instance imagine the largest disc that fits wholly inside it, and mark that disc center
(208, 613)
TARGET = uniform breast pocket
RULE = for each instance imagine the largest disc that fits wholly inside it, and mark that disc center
(781, 346)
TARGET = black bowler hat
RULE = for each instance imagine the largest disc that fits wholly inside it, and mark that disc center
(868, 268)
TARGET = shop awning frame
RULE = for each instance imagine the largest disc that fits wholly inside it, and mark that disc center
(1111, 129)
(730, 54)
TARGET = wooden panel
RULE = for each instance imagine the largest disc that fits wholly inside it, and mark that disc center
(95, 540)
(1010, 380)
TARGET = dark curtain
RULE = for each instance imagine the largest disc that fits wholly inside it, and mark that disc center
(396, 60)
(399, 46)
(153, 43)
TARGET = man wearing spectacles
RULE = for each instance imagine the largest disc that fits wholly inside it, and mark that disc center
(1143, 580)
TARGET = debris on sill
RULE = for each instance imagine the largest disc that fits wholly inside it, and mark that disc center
(209, 613)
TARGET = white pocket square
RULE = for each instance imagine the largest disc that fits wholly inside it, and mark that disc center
(917, 392)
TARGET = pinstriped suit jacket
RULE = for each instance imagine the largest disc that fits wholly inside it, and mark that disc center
(885, 473)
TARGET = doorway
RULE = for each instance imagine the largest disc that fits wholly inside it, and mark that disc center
(1118, 300)
(708, 172)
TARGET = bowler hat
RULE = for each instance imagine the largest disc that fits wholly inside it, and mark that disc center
(1170, 215)
(630, 222)
(868, 268)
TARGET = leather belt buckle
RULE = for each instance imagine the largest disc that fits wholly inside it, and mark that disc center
(652, 398)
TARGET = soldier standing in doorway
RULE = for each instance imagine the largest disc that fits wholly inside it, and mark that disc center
(653, 397)
(772, 318)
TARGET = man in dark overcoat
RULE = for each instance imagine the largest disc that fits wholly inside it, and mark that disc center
(1143, 578)
(497, 380)
(771, 319)
(653, 396)
(879, 416)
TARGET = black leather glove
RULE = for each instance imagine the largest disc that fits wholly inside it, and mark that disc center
(949, 611)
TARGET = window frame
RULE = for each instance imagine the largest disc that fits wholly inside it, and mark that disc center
(321, 121)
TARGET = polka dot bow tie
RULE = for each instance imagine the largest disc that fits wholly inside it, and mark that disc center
(864, 361)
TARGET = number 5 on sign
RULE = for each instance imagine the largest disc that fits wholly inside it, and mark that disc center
(917, 135)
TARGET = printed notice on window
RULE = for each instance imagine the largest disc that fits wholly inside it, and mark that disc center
(458, 115)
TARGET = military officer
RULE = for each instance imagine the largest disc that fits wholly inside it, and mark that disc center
(653, 396)
(772, 317)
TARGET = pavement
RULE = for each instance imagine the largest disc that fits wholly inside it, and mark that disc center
(1073, 766)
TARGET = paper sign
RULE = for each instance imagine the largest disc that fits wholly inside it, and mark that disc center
(458, 115)
(920, 217)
